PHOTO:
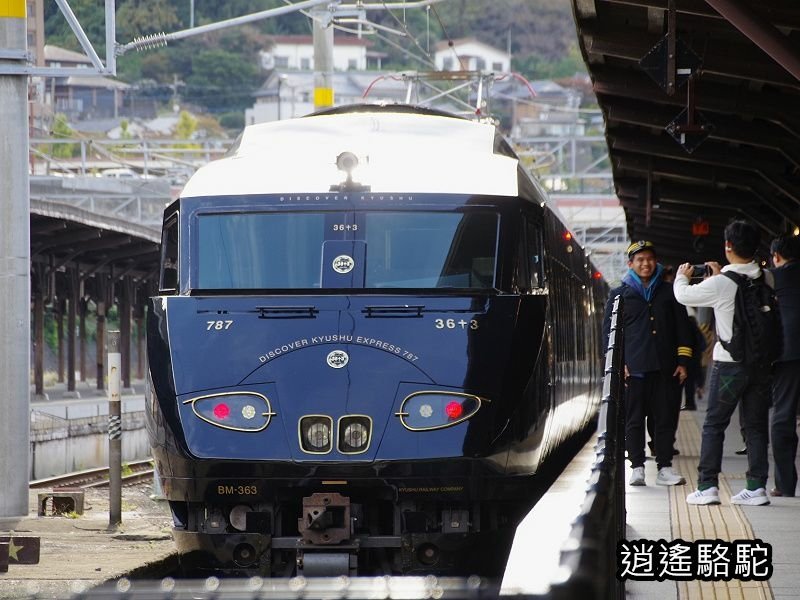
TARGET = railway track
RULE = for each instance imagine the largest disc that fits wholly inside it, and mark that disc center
(140, 471)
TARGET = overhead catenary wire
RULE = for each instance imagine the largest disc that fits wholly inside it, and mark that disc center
(161, 39)
(428, 61)
(411, 37)
(450, 42)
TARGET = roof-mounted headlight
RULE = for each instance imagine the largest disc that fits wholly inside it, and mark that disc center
(347, 163)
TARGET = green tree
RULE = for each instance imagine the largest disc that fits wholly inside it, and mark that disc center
(221, 81)
(142, 17)
(232, 120)
(124, 133)
(90, 15)
(187, 125)
(62, 130)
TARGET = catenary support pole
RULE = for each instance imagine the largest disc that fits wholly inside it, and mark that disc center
(100, 335)
(72, 324)
(15, 283)
(114, 431)
(323, 58)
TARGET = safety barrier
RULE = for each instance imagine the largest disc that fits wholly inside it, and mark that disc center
(588, 559)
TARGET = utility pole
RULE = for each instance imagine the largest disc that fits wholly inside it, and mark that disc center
(15, 284)
(114, 431)
(323, 57)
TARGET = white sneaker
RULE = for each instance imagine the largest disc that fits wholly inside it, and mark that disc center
(666, 476)
(751, 497)
(709, 496)
(637, 478)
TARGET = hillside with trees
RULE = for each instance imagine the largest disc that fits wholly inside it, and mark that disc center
(219, 72)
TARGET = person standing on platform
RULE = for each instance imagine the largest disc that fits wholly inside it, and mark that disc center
(785, 251)
(657, 350)
(696, 372)
(731, 382)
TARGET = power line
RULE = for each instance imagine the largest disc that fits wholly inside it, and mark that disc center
(450, 42)
(408, 34)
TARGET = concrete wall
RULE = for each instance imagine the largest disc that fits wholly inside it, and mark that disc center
(60, 445)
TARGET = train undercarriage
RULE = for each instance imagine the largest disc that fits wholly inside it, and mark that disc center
(327, 534)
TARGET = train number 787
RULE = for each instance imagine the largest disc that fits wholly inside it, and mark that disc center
(218, 325)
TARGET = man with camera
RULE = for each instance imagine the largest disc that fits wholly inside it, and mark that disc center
(731, 382)
(657, 350)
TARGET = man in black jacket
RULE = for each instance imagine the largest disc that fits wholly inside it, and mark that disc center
(786, 371)
(657, 352)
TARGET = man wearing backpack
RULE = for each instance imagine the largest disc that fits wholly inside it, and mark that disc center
(785, 251)
(739, 373)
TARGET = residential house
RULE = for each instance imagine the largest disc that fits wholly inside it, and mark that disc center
(285, 95)
(80, 97)
(296, 52)
(546, 109)
(469, 54)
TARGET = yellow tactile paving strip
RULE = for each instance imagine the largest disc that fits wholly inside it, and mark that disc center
(723, 521)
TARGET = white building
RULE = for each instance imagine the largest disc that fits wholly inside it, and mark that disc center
(289, 95)
(296, 53)
(468, 54)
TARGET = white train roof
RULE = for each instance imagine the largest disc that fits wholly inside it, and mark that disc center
(398, 151)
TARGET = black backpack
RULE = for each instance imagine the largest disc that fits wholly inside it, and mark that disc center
(757, 333)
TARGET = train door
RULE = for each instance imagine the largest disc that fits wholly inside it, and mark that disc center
(530, 284)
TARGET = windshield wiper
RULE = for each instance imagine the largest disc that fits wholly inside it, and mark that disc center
(402, 310)
(286, 312)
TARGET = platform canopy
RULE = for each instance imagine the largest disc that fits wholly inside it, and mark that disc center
(701, 100)
(63, 236)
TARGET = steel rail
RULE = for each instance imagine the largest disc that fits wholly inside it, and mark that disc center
(88, 477)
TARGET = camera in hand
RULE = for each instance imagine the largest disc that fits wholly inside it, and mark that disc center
(700, 271)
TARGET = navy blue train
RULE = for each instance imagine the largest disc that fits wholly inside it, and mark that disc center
(370, 331)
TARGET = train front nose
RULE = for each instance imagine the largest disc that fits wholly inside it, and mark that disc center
(336, 401)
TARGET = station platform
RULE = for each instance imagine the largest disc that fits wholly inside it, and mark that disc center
(77, 554)
(656, 512)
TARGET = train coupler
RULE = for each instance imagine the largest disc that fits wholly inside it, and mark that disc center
(326, 548)
(325, 520)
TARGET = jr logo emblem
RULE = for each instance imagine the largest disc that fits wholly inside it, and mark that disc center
(338, 359)
(343, 264)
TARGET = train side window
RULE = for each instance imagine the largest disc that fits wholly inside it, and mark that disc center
(168, 282)
(534, 253)
(523, 275)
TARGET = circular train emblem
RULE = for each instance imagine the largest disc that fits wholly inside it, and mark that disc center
(338, 359)
(343, 264)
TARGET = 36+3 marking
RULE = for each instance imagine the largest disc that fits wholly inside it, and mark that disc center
(453, 324)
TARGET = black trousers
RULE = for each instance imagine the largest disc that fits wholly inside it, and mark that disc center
(785, 395)
(652, 395)
(695, 378)
(730, 385)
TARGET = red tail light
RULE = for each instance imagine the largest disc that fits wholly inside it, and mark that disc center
(222, 411)
(454, 410)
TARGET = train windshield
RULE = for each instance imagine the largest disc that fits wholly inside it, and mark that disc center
(381, 250)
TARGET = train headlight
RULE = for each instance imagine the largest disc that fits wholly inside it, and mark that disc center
(354, 434)
(423, 411)
(237, 411)
(316, 434)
